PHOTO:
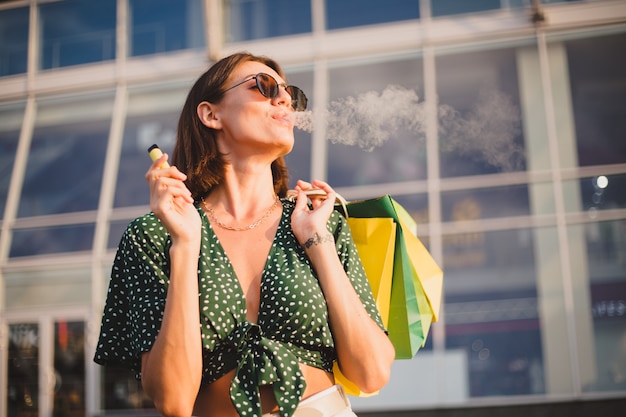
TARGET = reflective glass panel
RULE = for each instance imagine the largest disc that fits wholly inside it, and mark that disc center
(599, 98)
(247, 20)
(52, 239)
(603, 192)
(77, 32)
(474, 204)
(299, 159)
(13, 41)
(449, 7)
(121, 391)
(66, 157)
(10, 125)
(417, 206)
(491, 310)
(480, 128)
(23, 370)
(376, 123)
(116, 230)
(47, 286)
(69, 369)
(348, 13)
(165, 25)
(139, 134)
(152, 118)
(606, 255)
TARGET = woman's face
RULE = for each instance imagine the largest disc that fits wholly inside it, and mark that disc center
(250, 123)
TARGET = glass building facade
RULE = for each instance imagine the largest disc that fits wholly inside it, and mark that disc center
(499, 124)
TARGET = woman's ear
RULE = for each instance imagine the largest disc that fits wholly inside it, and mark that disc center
(208, 116)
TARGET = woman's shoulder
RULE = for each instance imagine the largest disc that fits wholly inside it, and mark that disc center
(146, 223)
(146, 229)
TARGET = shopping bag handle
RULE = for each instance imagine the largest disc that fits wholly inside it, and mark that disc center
(317, 193)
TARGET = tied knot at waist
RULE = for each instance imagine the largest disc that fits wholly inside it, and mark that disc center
(263, 361)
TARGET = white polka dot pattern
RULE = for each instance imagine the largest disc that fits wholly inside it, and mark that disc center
(292, 323)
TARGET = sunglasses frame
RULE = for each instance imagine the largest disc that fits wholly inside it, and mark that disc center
(298, 103)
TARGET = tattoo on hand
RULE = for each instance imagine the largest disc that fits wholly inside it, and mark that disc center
(316, 239)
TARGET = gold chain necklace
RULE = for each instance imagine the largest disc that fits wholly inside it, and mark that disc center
(213, 217)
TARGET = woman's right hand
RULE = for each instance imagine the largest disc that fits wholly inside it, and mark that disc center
(172, 202)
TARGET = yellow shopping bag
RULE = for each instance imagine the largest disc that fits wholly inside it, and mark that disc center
(375, 242)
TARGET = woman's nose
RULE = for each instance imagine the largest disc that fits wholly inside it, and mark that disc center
(283, 97)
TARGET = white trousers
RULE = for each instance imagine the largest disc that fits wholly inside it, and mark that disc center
(332, 402)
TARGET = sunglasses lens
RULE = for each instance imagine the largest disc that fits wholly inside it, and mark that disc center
(267, 85)
(298, 99)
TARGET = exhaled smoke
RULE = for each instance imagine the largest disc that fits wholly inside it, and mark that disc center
(486, 132)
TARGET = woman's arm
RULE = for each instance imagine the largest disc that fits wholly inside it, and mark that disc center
(172, 369)
(365, 353)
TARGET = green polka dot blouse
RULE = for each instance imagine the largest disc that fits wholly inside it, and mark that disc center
(292, 324)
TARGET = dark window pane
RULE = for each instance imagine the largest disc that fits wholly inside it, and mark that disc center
(69, 368)
(247, 20)
(8, 147)
(47, 240)
(348, 13)
(598, 193)
(139, 134)
(491, 310)
(23, 370)
(116, 230)
(605, 246)
(376, 124)
(152, 118)
(299, 159)
(77, 32)
(479, 114)
(165, 25)
(449, 7)
(64, 170)
(121, 391)
(503, 358)
(13, 41)
(599, 98)
(474, 204)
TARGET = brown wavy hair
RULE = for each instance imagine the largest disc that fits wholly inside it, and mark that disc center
(196, 152)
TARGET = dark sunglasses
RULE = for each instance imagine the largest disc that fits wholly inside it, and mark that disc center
(268, 86)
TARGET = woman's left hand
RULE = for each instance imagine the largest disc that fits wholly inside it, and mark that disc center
(309, 222)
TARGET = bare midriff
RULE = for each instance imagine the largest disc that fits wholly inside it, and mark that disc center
(214, 399)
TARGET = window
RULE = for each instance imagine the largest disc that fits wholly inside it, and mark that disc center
(450, 7)
(10, 124)
(299, 159)
(165, 25)
(479, 114)
(348, 13)
(66, 156)
(152, 118)
(599, 98)
(63, 175)
(77, 32)
(605, 251)
(376, 123)
(491, 310)
(13, 41)
(257, 19)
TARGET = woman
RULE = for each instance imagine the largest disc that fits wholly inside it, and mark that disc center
(230, 299)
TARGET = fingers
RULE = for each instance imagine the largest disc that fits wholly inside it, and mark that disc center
(317, 192)
(166, 182)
